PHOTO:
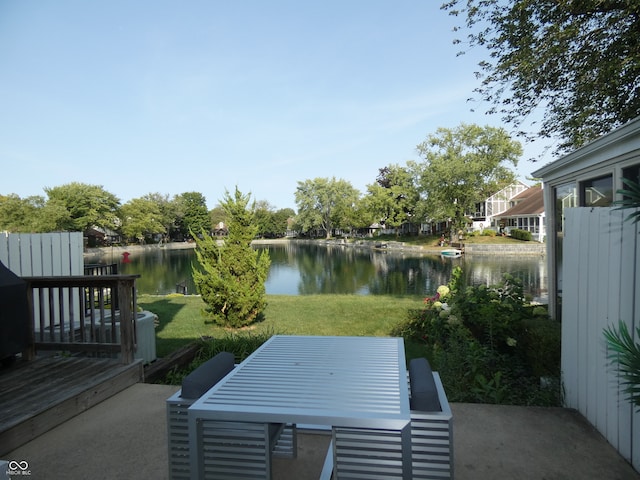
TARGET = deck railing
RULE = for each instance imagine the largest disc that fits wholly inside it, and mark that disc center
(94, 314)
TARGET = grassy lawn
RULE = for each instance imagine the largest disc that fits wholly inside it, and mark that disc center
(471, 371)
(180, 320)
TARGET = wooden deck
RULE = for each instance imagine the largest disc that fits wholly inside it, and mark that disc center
(40, 394)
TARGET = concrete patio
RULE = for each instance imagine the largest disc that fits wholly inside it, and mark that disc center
(125, 437)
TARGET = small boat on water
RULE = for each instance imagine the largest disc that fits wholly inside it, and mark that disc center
(451, 253)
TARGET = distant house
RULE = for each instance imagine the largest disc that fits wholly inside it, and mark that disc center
(526, 213)
(486, 215)
(487, 211)
(220, 230)
(100, 237)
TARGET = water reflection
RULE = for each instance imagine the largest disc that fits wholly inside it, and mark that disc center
(319, 269)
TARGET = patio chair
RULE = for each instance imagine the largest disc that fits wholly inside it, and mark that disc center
(366, 453)
(431, 424)
(275, 439)
(431, 437)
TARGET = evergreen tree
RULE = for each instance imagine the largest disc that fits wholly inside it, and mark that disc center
(230, 276)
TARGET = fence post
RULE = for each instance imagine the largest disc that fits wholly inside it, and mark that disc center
(126, 298)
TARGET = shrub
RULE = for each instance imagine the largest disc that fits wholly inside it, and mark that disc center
(541, 342)
(521, 235)
(487, 343)
(230, 277)
(488, 233)
(493, 314)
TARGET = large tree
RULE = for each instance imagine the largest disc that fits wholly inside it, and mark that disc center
(393, 198)
(141, 219)
(168, 212)
(19, 215)
(263, 218)
(230, 276)
(577, 60)
(324, 203)
(194, 216)
(463, 166)
(87, 206)
(281, 219)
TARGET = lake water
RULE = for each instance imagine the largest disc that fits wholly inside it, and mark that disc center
(301, 269)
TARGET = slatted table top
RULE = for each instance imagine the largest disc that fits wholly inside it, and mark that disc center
(345, 381)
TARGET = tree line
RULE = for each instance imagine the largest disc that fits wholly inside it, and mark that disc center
(459, 167)
(151, 218)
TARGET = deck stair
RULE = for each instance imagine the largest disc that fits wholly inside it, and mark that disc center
(39, 394)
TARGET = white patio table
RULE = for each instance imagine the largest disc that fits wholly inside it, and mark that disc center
(353, 384)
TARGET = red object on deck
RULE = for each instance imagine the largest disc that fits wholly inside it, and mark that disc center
(125, 257)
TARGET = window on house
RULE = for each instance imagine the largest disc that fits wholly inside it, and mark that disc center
(632, 173)
(565, 196)
(597, 192)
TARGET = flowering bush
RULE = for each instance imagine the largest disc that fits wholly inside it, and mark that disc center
(484, 339)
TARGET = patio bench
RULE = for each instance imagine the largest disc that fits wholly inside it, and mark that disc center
(431, 424)
(275, 439)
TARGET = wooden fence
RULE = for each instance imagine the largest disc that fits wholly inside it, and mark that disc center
(70, 311)
(63, 319)
(601, 285)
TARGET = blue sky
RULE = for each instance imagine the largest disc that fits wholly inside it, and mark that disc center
(177, 96)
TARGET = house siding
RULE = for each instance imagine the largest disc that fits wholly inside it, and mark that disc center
(594, 281)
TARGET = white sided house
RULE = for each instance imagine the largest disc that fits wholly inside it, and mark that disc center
(526, 213)
(594, 276)
(487, 211)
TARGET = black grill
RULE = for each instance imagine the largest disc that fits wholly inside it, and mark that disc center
(14, 314)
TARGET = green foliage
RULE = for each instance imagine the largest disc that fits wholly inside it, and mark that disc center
(493, 314)
(230, 276)
(324, 203)
(625, 354)
(630, 199)
(281, 219)
(80, 206)
(141, 219)
(463, 165)
(578, 62)
(392, 200)
(540, 342)
(269, 222)
(521, 234)
(488, 233)
(194, 216)
(487, 344)
(241, 344)
(168, 211)
(492, 390)
(28, 215)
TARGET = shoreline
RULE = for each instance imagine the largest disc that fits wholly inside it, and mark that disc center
(533, 248)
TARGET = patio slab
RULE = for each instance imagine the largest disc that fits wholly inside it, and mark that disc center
(125, 437)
